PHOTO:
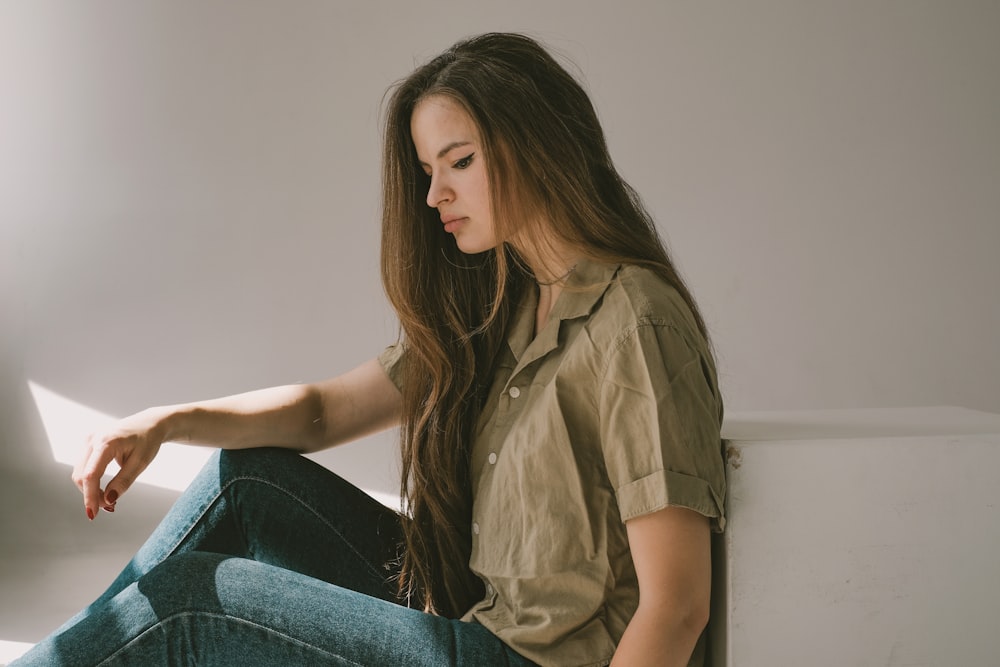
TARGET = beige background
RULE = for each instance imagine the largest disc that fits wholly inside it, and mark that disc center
(189, 206)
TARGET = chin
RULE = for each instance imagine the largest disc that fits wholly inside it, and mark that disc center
(474, 246)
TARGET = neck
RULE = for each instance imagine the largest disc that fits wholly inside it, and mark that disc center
(558, 280)
(550, 263)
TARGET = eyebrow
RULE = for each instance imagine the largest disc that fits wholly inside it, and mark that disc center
(450, 147)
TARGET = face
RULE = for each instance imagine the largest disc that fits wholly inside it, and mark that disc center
(450, 152)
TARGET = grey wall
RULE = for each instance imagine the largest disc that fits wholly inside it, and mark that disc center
(189, 192)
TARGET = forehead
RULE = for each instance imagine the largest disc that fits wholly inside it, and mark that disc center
(438, 122)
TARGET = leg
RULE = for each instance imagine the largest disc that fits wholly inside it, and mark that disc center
(275, 506)
(203, 608)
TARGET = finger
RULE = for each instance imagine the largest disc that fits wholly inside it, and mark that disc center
(116, 488)
(90, 477)
(130, 470)
(81, 462)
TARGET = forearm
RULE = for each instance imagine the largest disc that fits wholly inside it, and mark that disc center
(302, 417)
(288, 416)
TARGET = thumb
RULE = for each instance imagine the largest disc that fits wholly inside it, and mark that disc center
(122, 481)
(112, 492)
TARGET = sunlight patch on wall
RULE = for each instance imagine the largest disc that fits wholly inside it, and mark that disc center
(67, 424)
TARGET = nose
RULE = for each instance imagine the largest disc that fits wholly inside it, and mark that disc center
(439, 192)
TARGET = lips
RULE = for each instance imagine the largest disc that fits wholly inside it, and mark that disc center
(452, 222)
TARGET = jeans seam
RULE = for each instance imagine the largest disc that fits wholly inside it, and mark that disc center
(374, 569)
(161, 623)
(222, 489)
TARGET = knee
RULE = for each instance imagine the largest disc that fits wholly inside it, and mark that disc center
(255, 462)
(183, 583)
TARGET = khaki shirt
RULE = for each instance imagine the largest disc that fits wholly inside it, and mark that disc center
(611, 412)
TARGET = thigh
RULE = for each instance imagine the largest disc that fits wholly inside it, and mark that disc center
(201, 608)
(281, 508)
(278, 507)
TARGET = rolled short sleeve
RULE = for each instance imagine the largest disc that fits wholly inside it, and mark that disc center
(660, 421)
(391, 358)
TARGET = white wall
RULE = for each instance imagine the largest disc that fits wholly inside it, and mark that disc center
(189, 191)
(843, 548)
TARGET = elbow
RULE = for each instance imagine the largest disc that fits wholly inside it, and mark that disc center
(696, 608)
(689, 617)
(696, 620)
(313, 431)
(683, 619)
(662, 633)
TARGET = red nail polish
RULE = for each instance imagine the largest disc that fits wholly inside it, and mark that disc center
(90, 514)
(112, 497)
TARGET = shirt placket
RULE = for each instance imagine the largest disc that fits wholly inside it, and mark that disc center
(512, 400)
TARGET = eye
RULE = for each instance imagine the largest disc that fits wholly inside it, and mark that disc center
(464, 162)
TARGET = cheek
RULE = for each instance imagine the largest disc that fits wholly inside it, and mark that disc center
(483, 194)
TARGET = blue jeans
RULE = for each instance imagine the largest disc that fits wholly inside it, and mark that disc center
(267, 559)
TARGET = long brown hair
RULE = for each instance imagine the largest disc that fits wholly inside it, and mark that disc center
(548, 163)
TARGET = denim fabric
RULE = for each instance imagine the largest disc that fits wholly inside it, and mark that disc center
(267, 559)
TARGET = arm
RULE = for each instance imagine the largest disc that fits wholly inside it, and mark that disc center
(306, 418)
(302, 417)
(671, 549)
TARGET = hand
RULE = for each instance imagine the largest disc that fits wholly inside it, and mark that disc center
(133, 443)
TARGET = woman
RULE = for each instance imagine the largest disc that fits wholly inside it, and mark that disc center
(559, 419)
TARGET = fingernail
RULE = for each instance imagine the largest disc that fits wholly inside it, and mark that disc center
(90, 514)
(112, 496)
(109, 508)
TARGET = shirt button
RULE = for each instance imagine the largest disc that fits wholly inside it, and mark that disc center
(514, 392)
(475, 528)
(493, 458)
(489, 589)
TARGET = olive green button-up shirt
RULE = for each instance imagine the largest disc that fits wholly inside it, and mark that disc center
(610, 412)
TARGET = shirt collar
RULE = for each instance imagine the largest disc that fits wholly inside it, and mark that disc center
(584, 288)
